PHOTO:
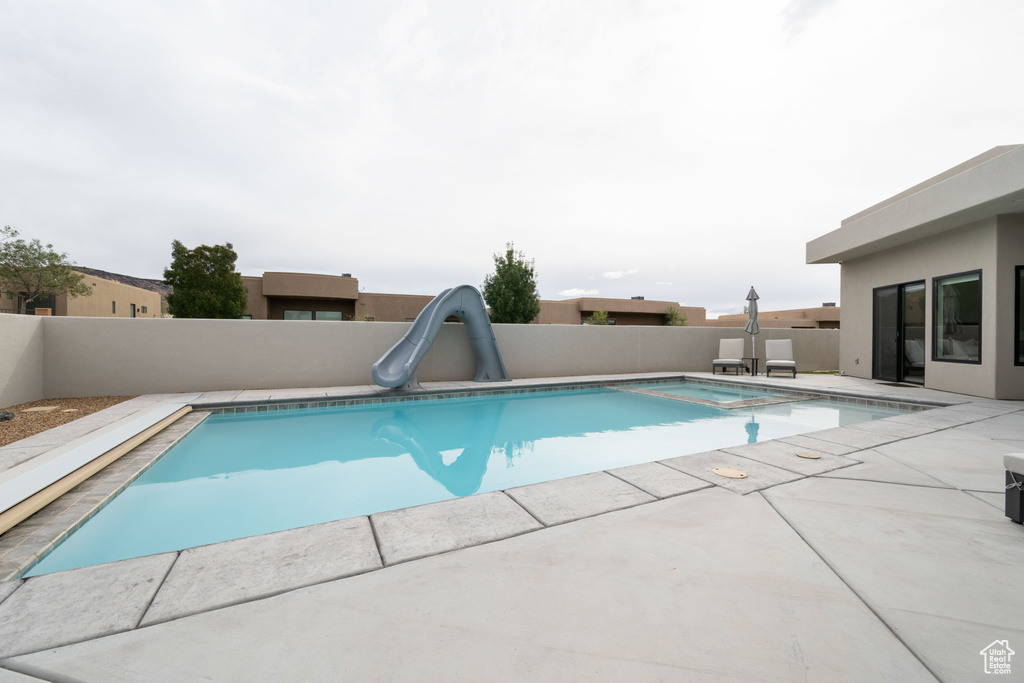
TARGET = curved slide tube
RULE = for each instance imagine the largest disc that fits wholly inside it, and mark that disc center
(397, 367)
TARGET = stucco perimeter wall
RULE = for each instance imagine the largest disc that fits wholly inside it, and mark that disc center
(969, 248)
(93, 357)
(21, 359)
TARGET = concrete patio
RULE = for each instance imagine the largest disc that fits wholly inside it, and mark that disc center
(889, 559)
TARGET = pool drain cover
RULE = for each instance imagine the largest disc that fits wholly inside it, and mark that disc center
(729, 472)
(809, 456)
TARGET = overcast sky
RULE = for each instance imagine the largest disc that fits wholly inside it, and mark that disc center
(682, 151)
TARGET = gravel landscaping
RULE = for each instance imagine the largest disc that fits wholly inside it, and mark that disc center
(38, 416)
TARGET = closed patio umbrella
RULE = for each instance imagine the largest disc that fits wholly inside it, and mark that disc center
(751, 428)
(752, 328)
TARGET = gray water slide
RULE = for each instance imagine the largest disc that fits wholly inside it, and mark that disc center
(397, 367)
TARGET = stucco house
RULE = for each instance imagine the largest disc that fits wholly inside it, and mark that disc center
(111, 297)
(308, 296)
(932, 281)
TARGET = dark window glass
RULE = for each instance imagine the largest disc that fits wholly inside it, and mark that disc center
(298, 315)
(1019, 327)
(885, 334)
(958, 318)
(328, 315)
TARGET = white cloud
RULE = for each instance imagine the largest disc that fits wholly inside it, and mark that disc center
(618, 274)
(574, 293)
(713, 314)
(408, 141)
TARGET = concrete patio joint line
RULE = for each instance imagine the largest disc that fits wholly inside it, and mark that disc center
(376, 540)
(853, 590)
(519, 505)
(163, 580)
(949, 487)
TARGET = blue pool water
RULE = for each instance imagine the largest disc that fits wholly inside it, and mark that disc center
(244, 474)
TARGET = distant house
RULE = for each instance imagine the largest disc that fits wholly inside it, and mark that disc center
(932, 281)
(825, 317)
(634, 311)
(112, 297)
(305, 296)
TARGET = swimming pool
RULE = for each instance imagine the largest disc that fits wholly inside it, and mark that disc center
(252, 473)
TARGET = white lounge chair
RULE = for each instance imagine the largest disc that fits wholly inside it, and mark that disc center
(914, 352)
(778, 355)
(730, 352)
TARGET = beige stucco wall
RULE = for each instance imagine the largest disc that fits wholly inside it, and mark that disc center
(969, 248)
(779, 323)
(256, 304)
(104, 293)
(310, 286)
(92, 356)
(558, 313)
(396, 308)
(826, 317)
(21, 359)
(1009, 378)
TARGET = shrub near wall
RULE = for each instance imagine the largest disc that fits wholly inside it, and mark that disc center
(106, 356)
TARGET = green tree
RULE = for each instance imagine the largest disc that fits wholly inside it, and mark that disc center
(511, 292)
(34, 269)
(205, 282)
(674, 317)
(598, 317)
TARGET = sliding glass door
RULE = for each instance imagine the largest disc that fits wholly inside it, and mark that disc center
(898, 350)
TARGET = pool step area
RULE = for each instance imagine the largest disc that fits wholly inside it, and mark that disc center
(30, 486)
(728, 405)
(27, 542)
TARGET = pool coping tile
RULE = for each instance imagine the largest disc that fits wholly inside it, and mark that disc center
(228, 573)
(412, 533)
(857, 439)
(759, 475)
(784, 455)
(659, 480)
(939, 418)
(819, 445)
(898, 429)
(80, 604)
(565, 500)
